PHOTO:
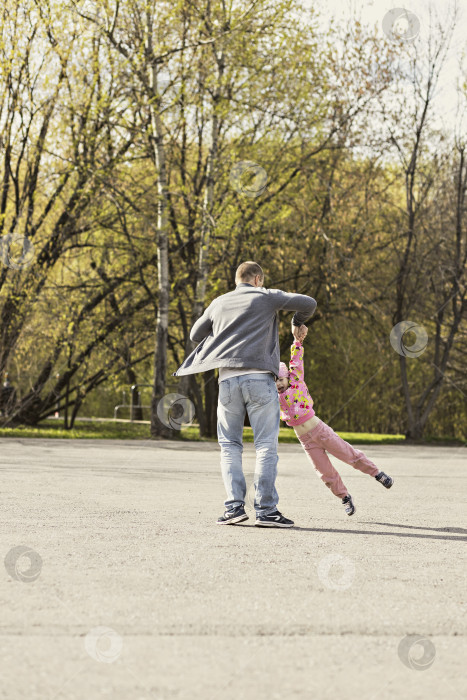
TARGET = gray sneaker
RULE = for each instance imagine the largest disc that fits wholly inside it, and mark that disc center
(233, 516)
(348, 505)
(384, 479)
(275, 519)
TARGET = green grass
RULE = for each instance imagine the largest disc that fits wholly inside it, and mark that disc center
(139, 431)
(287, 435)
(103, 430)
(91, 430)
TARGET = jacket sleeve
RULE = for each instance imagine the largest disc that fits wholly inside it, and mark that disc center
(303, 305)
(202, 327)
(296, 371)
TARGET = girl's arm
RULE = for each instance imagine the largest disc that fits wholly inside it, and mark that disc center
(296, 371)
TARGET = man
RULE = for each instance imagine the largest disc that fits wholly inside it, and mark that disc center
(238, 333)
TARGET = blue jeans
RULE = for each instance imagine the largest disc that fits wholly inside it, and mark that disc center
(256, 394)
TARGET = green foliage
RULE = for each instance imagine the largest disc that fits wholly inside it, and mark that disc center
(318, 110)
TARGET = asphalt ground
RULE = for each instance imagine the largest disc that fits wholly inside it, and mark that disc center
(117, 583)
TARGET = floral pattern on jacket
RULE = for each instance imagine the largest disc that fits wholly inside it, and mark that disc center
(295, 402)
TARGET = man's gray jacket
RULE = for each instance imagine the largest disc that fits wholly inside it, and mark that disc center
(240, 329)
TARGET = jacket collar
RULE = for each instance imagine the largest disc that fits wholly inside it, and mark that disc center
(244, 284)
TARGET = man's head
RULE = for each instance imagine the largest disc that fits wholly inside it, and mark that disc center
(251, 273)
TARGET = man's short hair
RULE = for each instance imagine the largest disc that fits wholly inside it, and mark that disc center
(247, 271)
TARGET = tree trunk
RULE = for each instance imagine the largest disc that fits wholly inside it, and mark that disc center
(211, 390)
(207, 422)
(415, 430)
(158, 429)
(75, 410)
(136, 410)
(197, 398)
(65, 413)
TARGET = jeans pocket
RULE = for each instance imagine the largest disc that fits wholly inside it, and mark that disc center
(224, 392)
(259, 391)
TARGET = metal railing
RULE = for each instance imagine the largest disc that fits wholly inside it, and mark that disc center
(130, 406)
(134, 404)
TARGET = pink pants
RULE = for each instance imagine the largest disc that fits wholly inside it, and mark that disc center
(322, 438)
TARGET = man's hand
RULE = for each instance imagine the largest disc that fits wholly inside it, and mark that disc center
(299, 332)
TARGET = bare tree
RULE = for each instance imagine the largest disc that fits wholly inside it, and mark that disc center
(430, 255)
(60, 150)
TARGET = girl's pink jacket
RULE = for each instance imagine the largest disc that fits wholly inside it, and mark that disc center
(296, 402)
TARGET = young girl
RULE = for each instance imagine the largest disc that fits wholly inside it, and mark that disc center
(317, 437)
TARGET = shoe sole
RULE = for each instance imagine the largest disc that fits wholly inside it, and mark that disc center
(259, 524)
(233, 521)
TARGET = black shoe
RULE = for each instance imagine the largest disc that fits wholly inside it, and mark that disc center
(348, 505)
(384, 479)
(233, 516)
(275, 519)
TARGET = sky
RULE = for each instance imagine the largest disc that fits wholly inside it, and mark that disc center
(373, 13)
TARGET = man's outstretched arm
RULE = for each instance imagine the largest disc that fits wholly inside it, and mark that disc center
(201, 328)
(303, 305)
